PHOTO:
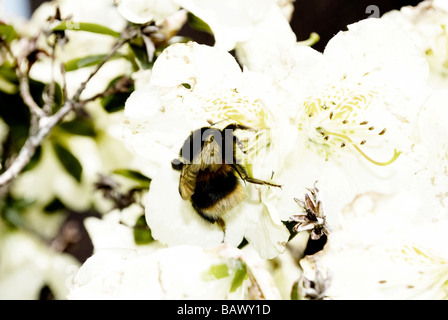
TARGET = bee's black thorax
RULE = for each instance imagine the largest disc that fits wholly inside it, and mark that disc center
(194, 144)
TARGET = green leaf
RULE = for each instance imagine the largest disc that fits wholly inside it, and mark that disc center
(239, 277)
(80, 127)
(217, 271)
(134, 175)
(295, 293)
(198, 24)
(58, 97)
(8, 33)
(142, 233)
(70, 163)
(141, 55)
(116, 102)
(7, 86)
(88, 27)
(88, 61)
(12, 211)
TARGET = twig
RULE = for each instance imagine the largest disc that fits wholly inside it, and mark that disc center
(122, 85)
(47, 123)
(24, 87)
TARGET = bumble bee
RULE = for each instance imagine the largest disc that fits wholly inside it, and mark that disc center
(210, 173)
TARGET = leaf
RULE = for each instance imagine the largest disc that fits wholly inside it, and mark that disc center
(134, 175)
(80, 127)
(12, 211)
(217, 271)
(7, 87)
(239, 277)
(139, 50)
(58, 97)
(88, 61)
(70, 163)
(295, 291)
(8, 33)
(116, 102)
(142, 233)
(88, 27)
(198, 24)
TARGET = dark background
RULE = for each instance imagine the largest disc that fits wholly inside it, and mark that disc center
(326, 17)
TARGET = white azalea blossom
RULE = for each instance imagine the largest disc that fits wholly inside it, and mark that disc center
(143, 11)
(396, 250)
(27, 265)
(247, 26)
(355, 108)
(192, 85)
(426, 24)
(218, 273)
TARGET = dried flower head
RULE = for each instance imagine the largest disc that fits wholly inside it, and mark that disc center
(313, 218)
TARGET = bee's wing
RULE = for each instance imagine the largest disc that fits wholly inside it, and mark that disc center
(208, 159)
(187, 182)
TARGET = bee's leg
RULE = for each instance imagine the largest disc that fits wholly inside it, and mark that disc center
(244, 176)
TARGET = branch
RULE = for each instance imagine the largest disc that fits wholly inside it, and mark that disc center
(47, 123)
(24, 87)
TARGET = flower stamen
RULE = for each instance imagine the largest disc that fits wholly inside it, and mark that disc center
(378, 163)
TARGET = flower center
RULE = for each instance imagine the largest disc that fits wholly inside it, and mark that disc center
(335, 119)
(229, 106)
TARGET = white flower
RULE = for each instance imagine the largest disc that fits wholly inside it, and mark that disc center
(183, 272)
(258, 30)
(395, 249)
(426, 24)
(431, 180)
(143, 11)
(27, 265)
(192, 85)
(355, 107)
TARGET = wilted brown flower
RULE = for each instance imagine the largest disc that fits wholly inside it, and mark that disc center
(313, 218)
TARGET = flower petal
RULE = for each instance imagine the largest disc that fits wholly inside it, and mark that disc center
(143, 11)
(173, 220)
(231, 21)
